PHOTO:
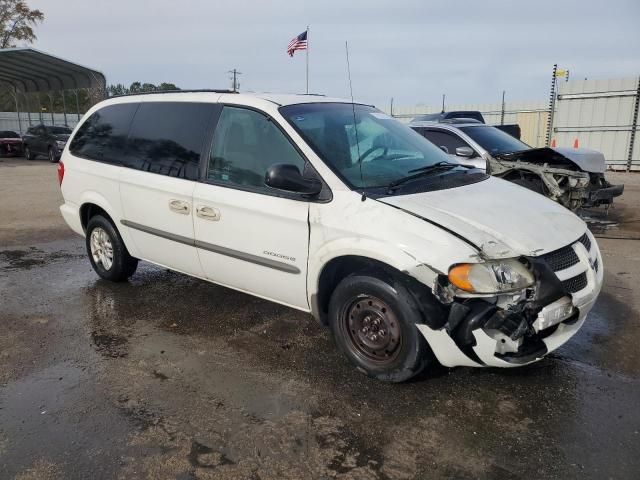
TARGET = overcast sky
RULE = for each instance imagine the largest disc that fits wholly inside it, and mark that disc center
(411, 50)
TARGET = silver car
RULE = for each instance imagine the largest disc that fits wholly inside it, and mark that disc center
(572, 177)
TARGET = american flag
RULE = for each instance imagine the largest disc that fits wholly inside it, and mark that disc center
(297, 43)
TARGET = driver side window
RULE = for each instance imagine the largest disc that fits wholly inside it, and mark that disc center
(245, 144)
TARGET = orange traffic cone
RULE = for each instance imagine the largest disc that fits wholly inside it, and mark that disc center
(575, 143)
(553, 143)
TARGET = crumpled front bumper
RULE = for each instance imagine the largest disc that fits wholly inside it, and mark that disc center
(485, 350)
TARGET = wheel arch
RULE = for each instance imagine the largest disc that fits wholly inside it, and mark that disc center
(339, 267)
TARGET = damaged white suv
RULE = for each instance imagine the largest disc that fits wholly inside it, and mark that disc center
(335, 209)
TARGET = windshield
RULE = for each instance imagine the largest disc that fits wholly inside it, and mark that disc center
(8, 134)
(376, 152)
(59, 130)
(495, 141)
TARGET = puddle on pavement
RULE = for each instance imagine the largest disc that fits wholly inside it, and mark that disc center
(30, 258)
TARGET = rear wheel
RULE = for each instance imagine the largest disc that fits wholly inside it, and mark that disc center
(27, 153)
(52, 155)
(108, 254)
(373, 321)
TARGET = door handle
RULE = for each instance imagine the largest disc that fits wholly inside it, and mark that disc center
(179, 206)
(208, 213)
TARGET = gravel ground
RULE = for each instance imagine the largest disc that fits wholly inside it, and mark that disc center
(171, 377)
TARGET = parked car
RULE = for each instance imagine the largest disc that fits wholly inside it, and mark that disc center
(46, 140)
(10, 143)
(465, 115)
(570, 176)
(336, 209)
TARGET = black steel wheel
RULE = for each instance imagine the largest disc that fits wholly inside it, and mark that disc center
(373, 329)
(373, 320)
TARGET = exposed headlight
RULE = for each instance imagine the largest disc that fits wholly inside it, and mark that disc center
(493, 276)
(60, 144)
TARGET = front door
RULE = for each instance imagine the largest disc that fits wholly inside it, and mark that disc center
(249, 236)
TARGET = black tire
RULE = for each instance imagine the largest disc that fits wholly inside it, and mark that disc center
(52, 155)
(387, 301)
(123, 265)
(27, 153)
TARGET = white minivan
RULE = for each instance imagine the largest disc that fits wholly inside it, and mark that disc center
(336, 209)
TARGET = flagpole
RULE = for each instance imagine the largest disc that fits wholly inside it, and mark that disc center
(308, 46)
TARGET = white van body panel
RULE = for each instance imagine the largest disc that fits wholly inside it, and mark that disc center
(276, 248)
(478, 212)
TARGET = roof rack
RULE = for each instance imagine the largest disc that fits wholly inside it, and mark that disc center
(159, 92)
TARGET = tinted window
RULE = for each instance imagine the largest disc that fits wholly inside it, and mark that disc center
(246, 143)
(495, 141)
(103, 136)
(59, 130)
(167, 138)
(8, 134)
(444, 139)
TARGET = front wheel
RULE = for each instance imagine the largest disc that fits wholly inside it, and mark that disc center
(108, 254)
(27, 153)
(374, 325)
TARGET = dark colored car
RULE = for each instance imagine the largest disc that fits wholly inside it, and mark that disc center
(46, 140)
(10, 143)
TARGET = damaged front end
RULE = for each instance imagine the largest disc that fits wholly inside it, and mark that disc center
(516, 328)
(574, 179)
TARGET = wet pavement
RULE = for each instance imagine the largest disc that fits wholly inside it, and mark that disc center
(171, 377)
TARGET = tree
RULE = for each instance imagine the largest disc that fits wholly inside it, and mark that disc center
(17, 22)
(138, 87)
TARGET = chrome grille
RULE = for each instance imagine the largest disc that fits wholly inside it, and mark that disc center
(575, 284)
(562, 258)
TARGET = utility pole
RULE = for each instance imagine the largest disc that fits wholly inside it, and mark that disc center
(502, 111)
(235, 85)
(443, 97)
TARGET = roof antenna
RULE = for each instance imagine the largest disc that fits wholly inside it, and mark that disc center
(355, 125)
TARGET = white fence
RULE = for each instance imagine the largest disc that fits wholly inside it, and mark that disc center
(531, 116)
(597, 114)
(602, 115)
(9, 120)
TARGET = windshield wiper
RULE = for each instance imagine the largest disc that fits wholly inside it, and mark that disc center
(421, 172)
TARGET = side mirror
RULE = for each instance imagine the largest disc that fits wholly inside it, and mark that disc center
(444, 149)
(283, 176)
(466, 152)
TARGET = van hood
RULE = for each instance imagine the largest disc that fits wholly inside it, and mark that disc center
(502, 219)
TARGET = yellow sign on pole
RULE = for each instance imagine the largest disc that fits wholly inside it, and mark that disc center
(561, 73)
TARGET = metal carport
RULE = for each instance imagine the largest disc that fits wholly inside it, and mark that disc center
(27, 70)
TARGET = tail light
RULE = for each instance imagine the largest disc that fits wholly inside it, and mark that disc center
(60, 172)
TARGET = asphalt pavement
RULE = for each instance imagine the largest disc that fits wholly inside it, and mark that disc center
(170, 377)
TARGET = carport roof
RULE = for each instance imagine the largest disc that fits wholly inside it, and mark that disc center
(30, 70)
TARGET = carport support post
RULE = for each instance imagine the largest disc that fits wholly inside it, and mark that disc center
(26, 99)
(77, 104)
(15, 92)
(39, 107)
(64, 107)
(51, 104)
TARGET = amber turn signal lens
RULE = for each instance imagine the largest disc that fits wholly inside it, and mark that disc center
(459, 276)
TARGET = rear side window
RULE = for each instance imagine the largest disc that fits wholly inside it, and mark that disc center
(168, 137)
(103, 136)
(444, 139)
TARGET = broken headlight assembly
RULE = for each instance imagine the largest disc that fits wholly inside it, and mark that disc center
(492, 276)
